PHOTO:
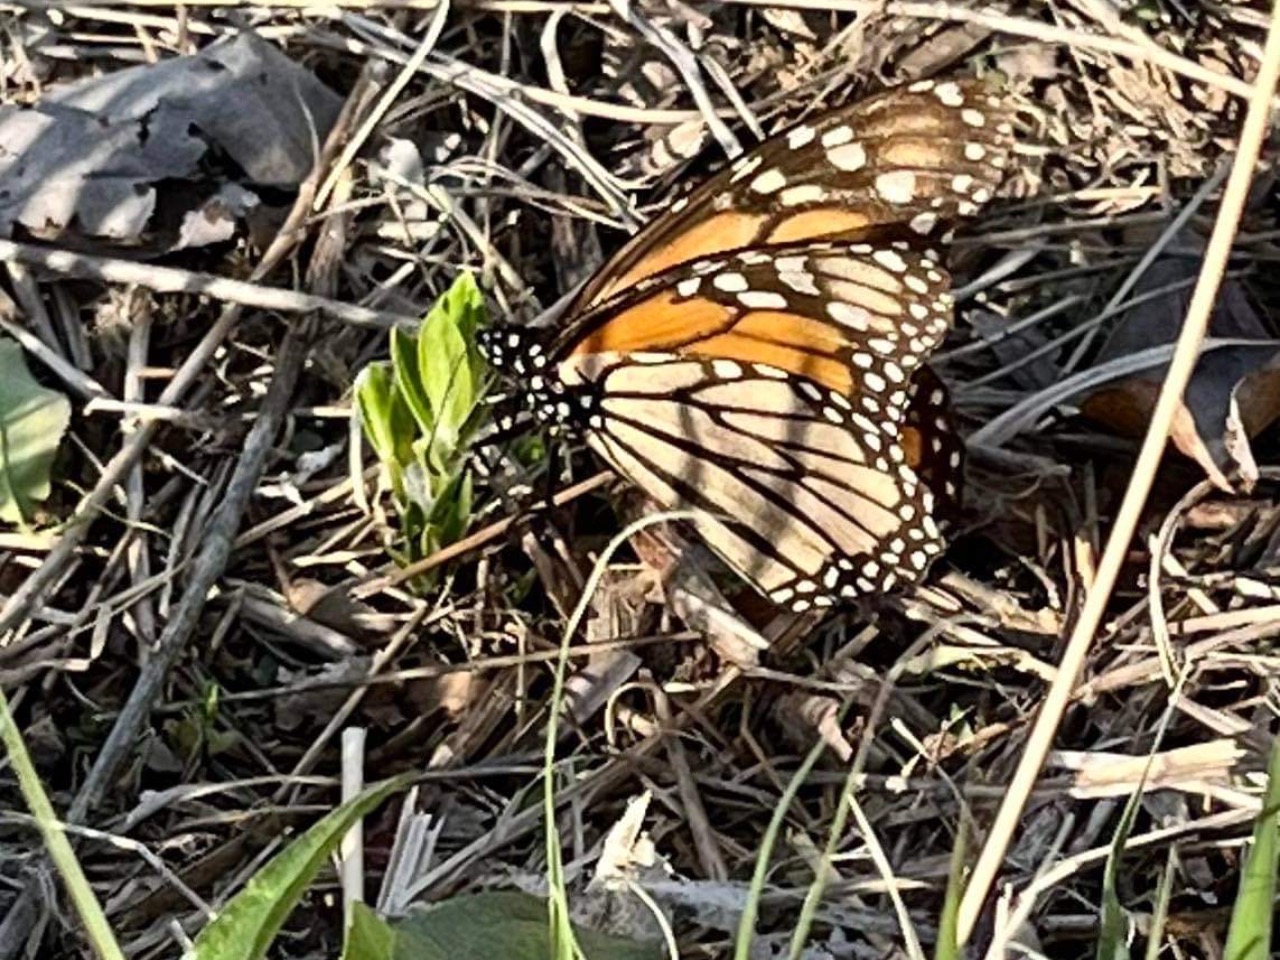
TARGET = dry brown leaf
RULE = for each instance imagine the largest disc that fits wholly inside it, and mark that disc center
(1233, 395)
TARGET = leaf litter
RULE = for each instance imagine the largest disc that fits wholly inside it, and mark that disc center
(518, 147)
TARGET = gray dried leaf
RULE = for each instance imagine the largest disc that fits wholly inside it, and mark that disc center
(88, 157)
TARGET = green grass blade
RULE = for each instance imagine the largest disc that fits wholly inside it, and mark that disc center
(244, 929)
(948, 946)
(751, 909)
(1253, 916)
(1160, 915)
(91, 914)
(1113, 935)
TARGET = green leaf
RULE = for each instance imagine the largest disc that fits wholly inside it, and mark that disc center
(450, 366)
(505, 924)
(244, 929)
(32, 423)
(467, 304)
(1253, 915)
(369, 937)
(404, 361)
(384, 416)
(445, 369)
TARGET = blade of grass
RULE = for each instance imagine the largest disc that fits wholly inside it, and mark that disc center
(1113, 935)
(563, 940)
(86, 904)
(1253, 915)
(1160, 915)
(751, 909)
(948, 946)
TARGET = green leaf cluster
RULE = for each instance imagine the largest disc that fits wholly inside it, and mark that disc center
(419, 412)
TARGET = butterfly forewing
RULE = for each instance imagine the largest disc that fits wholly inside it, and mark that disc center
(917, 156)
(852, 319)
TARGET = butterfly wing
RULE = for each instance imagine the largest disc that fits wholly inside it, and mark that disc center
(850, 318)
(771, 390)
(934, 447)
(916, 156)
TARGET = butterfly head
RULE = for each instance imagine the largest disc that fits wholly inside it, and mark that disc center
(510, 350)
(522, 356)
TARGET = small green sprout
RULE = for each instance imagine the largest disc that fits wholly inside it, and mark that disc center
(420, 411)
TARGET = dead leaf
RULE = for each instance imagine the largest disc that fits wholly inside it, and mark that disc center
(131, 156)
(1234, 392)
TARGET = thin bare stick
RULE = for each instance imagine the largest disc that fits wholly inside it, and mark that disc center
(160, 279)
(208, 567)
(1183, 363)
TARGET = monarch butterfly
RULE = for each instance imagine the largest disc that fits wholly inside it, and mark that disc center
(756, 351)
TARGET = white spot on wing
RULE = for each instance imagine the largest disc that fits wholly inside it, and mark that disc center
(800, 136)
(836, 136)
(949, 94)
(730, 282)
(897, 186)
(769, 182)
(850, 315)
(801, 281)
(805, 193)
(889, 260)
(763, 300)
(850, 157)
(923, 223)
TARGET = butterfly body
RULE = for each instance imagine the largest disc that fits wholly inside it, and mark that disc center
(758, 351)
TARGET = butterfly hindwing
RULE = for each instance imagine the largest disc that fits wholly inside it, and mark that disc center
(802, 507)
